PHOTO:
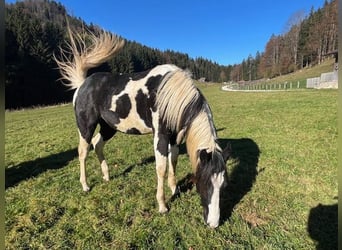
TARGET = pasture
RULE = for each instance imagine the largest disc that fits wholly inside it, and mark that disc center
(281, 194)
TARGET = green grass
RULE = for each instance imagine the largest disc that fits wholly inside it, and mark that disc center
(284, 166)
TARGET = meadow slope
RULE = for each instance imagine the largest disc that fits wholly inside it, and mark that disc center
(281, 194)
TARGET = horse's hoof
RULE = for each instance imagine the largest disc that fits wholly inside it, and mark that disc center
(105, 178)
(163, 210)
(86, 189)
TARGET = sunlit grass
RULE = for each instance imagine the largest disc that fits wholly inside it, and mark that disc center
(271, 193)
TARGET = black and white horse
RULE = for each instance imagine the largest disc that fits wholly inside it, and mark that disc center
(163, 101)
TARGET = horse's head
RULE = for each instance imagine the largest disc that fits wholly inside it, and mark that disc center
(211, 180)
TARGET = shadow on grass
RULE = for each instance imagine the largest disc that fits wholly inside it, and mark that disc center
(245, 155)
(29, 169)
(323, 226)
(143, 162)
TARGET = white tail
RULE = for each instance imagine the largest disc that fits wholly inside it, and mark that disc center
(102, 48)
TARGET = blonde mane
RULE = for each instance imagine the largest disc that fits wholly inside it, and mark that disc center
(176, 93)
(200, 136)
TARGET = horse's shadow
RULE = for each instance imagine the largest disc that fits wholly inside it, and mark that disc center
(323, 226)
(242, 172)
(130, 168)
(29, 169)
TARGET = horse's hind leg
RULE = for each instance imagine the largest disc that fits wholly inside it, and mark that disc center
(83, 148)
(86, 128)
(98, 142)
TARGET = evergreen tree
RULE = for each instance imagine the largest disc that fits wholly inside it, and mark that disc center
(35, 29)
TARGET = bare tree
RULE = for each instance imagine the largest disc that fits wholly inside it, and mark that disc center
(292, 31)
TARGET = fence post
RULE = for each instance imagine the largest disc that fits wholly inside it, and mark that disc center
(298, 85)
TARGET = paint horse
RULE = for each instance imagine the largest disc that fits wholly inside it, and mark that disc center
(163, 101)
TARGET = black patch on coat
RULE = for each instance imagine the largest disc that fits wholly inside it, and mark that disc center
(133, 131)
(162, 145)
(173, 139)
(87, 105)
(152, 85)
(145, 102)
(103, 86)
(123, 106)
(86, 121)
(110, 117)
(163, 139)
(106, 131)
(153, 82)
(144, 108)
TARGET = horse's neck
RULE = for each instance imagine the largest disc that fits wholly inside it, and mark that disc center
(201, 134)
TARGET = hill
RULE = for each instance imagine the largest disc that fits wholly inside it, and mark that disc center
(35, 29)
(301, 75)
(308, 72)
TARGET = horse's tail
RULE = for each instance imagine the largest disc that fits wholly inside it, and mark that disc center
(102, 47)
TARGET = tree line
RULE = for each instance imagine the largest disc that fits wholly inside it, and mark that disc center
(306, 42)
(34, 29)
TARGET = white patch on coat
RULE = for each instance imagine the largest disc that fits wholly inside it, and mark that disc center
(132, 88)
(214, 206)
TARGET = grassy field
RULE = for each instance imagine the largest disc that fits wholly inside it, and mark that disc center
(282, 187)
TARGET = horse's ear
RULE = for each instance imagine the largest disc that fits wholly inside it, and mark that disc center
(204, 155)
(227, 152)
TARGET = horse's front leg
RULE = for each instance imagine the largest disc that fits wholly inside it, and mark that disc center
(173, 156)
(161, 152)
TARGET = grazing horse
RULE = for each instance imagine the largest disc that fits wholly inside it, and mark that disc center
(163, 101)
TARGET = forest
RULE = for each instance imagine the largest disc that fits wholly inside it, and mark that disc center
(35, 29)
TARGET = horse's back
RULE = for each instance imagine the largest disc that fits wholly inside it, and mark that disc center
(126, 102)
(105, 85)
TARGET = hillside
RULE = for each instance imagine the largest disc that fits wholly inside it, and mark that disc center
(303, 74)
(34, 32)
(35, 29)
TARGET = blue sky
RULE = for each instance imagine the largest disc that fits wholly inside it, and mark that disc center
(220, 30)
